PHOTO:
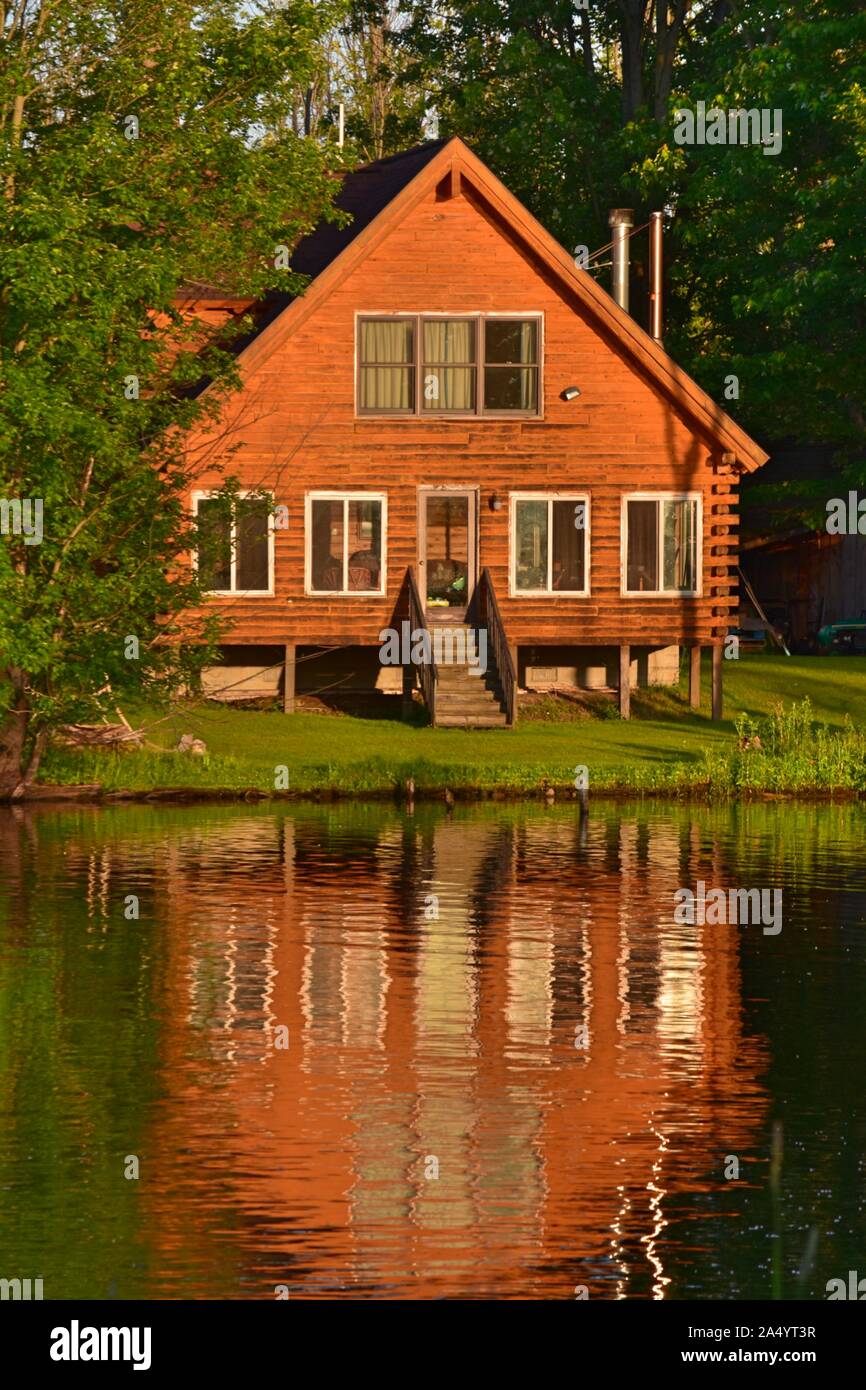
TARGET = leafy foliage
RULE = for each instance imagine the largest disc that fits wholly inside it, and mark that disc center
(574, 108)
(132, 159)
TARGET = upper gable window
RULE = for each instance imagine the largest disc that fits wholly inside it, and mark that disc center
(386, 377)
(511, 364)
(414, 364)
(449, 366)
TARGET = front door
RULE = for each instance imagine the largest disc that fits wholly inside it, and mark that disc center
(447, 551)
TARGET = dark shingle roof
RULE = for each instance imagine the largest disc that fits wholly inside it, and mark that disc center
(365, 192)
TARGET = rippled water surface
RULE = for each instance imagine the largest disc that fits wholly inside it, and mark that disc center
(510, 1071)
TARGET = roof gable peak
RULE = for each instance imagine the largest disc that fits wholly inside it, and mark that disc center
(380, 194)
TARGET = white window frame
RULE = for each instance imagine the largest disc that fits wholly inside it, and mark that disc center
(345, 498)
(550, 498)
(270, 591)
(699, 547)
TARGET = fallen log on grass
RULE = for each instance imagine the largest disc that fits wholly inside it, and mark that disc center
(100, 735)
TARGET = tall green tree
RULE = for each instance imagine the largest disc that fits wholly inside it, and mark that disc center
(770, 248)
(386, 106)
(365, 67)
(132, 159)
(574, 106)
(545, 90)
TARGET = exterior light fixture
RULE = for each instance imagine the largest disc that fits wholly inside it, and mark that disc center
(495, 502)
(571, 393)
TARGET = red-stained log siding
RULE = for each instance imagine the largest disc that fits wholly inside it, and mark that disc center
(295, 422)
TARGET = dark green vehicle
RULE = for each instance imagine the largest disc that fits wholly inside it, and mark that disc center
(844, 638)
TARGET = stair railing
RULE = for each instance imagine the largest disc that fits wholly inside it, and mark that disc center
(489, 616)
(418, 624)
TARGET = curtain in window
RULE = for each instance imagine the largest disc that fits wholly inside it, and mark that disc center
(387, 373)
(642, 568)
(251, 542)
(680, 544)
(508, 383)
(569, 549)
(448, 365)
(528, 351)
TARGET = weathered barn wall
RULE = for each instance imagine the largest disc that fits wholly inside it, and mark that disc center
(818, 578)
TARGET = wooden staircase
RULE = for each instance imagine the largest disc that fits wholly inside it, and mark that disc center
(457, 693)
(466, 697)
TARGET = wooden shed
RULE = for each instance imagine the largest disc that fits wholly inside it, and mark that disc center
(465, 467)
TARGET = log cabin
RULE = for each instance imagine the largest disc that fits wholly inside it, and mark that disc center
(455, 434)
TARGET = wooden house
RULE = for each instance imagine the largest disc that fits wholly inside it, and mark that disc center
(456, 429)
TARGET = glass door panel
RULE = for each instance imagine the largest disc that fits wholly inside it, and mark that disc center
(447, 551)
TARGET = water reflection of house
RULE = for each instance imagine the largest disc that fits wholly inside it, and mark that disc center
(414, 1038)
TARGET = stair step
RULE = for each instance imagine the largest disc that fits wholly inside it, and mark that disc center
(456, 680)
(460, 643)
(470, 685)
(479, 694)
(469, 712)
(466, 660)
(462, 715)
(471, 721)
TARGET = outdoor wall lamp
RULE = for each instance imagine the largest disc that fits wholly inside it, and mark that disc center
(570, 393)
(495, 502)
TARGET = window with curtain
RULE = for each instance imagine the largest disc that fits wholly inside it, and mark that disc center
(418, 365)
(386, 365)
(662, 544)
(511, 364)
(234, 544)
(549, 539)
(449, 364)
(346, 544)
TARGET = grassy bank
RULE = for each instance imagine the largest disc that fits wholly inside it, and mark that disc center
(665, 748)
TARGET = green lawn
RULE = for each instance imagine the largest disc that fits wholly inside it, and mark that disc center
(662, 746)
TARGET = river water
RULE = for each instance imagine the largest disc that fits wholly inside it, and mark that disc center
(348, 1050)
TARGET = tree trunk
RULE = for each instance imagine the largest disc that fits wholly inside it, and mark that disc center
(586, 41)
(667, 41)
(20, 752)
(631, 44)
(13, 747)
(379, 88)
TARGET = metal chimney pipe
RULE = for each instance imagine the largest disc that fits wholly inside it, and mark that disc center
(656, 277)
(621, 219)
